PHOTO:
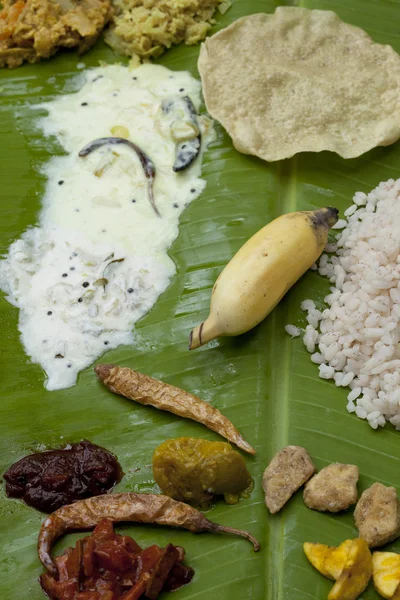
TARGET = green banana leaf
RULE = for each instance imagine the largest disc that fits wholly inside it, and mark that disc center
(263, 381)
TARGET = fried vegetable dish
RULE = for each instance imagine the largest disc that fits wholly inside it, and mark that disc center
(333, 489)
(48, 480)
(194, 471)
(35, 29)
(107, 566)
(377, 515)
(286, 473)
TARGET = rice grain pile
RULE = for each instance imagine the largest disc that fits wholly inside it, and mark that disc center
(355, 341)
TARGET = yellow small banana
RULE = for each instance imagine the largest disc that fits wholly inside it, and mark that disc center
(262, 271)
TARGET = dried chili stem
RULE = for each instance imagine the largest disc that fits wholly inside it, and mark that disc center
(130, 507)
(146, 390)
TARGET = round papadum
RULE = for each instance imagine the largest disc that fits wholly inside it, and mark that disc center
(301, 80)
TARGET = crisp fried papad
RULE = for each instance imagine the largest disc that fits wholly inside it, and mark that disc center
(301, 80)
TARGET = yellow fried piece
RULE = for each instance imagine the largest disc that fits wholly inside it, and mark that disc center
(328, 560)
(356, 573)
(386, 573)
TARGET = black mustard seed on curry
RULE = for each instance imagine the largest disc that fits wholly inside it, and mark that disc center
(48, 480)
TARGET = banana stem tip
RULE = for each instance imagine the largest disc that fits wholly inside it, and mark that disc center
(327, 217)
(195, 339)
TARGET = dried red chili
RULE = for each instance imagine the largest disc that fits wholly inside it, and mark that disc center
(128, 506)
(107, 566)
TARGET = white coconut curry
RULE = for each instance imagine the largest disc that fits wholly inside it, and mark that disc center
(98, 260)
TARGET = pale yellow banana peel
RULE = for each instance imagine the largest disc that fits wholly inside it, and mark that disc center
(262, 271)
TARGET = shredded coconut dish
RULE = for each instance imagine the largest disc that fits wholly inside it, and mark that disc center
(146, 28)
(355, 340)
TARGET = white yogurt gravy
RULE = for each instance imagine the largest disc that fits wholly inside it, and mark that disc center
(74, 302)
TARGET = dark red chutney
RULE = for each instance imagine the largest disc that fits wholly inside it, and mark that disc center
(48, 480)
